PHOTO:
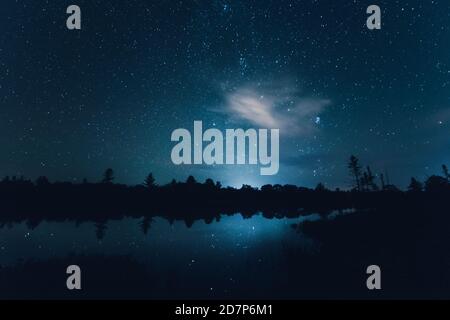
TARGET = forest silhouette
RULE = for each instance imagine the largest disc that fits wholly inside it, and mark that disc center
(33, 202)
(374, 222)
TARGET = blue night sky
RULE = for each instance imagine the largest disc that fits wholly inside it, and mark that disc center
(73, 103)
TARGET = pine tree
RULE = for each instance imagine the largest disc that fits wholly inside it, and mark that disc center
(108, 176)
(415, 185)
(446, 174)
(355, 171)
(149, 182)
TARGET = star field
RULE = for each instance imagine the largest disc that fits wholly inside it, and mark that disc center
(74, 102)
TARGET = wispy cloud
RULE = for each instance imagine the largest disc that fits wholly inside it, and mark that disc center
(275, 106)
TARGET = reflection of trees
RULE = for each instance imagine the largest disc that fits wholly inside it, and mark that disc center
(100, 230)
(146, 224)
(23, 200)
(33, 223)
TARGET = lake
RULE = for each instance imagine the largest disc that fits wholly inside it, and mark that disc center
(232, 257)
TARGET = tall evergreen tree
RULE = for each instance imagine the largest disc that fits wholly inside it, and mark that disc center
(149, 182)
(355, 171)
(415, 185)
(371, 180)
(191, 180)
(446, 174)
(108, 176)
(383, 183)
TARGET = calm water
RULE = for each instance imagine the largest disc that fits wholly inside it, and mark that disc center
(233, 258)
(231, 237)
(221, 257)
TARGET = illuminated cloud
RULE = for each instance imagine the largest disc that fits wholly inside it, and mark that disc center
(279, 107)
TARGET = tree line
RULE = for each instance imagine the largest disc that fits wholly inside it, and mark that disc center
(363, 181)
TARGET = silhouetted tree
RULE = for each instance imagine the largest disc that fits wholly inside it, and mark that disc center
(436, 183)
(446, 174)
(267, 188)
(386, 175)
(363, 182)
(391, 187)
(108, 176)
(218, 185)
(277, 187)
(191, 180)
(415, 185)
(355, 170)
(6, 180)
(21, 202)
(371, 180)
(383, 183)
(209, 183)
(290, 188)
(149, 182)
(320, 187)
(42, 181)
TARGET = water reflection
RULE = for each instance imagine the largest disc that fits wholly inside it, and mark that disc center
(150, 238)
(237, 256)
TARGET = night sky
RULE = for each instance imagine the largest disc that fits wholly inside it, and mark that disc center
(73, 103)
